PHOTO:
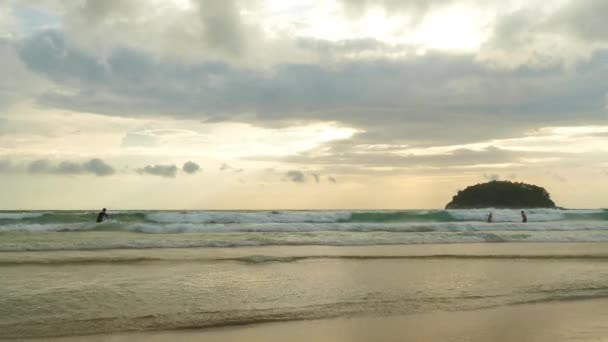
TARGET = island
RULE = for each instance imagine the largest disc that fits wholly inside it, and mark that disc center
(501, 194)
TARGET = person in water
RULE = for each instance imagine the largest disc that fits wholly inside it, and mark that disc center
(490, 218)
(102, 215)
(524, 218)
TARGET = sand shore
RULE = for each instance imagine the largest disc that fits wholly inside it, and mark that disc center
(585, 320)
(309, 293)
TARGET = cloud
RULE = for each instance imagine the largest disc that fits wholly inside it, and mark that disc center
(415, 10)
(222, 26)
(393, 100)
(583, 19)
(139, 139)
(98, 167)
(296, 176)
(17, 84)
(94, 166)
(351, 153)
(532, 34)
(168, 171)
(69, 168)
(385, 102)
(198, 29)
(242, 32)
(226, 167)
(573, 146)
(5, 166)
(542, 36)
(40, 166)
(190, 167)
(556, 176)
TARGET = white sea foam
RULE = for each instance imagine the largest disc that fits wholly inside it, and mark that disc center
(479, 215)
(344, 228)
(289, 217)
(110, 241)
(511, 215)
(248, 217)
(404, 227)
(366, 227)
(19, 215)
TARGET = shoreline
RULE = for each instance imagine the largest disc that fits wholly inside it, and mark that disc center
(597, 249)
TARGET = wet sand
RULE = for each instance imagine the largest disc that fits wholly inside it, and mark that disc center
(473, 292)
(584, 320)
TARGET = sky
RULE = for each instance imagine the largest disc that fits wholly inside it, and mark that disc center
(301, 104)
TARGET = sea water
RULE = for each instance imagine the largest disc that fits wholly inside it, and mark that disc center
(77, 230)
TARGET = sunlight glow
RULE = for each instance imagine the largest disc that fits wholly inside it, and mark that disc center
(452, 28)
(183, 5)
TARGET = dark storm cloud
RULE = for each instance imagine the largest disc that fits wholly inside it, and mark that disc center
(190, 167)
(168, 171)
(94, 166)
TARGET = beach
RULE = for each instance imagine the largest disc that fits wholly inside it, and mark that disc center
(583, 320)
(333, 171)
(523, 291)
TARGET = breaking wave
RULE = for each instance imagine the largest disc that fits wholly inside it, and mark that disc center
(174, 229)
(228, 217)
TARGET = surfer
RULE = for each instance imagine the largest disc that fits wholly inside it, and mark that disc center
(102, 214)
(490, 218)
(524, 218)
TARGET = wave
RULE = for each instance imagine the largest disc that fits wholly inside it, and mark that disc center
(263, 217)
(404, 227)
(135, 229)
(19, 215)
(59, 217)
(106, 241)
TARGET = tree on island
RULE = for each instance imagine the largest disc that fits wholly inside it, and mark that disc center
(501, 194)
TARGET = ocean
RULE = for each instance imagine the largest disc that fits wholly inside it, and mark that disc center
(77, 230)
(62, 274)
